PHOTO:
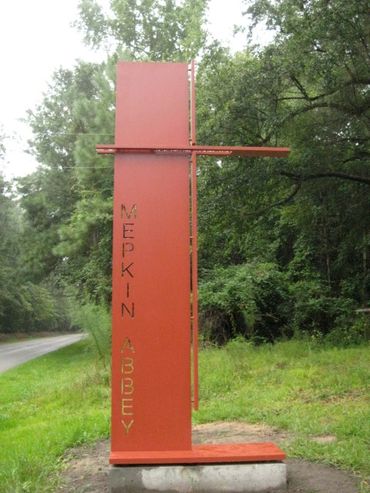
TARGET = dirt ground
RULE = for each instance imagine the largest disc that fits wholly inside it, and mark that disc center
(86, 468)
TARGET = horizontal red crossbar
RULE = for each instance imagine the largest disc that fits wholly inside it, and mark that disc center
(204, 454)
(199, 150)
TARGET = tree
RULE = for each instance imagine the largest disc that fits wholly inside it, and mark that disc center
(24, 306)
(68, 201)
(68, 198)
(149, 29)
(322, 49)
(308, 89)
(302, 224)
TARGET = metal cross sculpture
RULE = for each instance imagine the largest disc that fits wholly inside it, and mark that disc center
(155, 301)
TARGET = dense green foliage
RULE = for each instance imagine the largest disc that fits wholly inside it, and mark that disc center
(309, 215)
(284, 243)
(62, 400)
(247, 299)
(25, 305)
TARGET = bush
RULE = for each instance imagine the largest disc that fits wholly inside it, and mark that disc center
(248, 300)
(95, 320)
(351, 333)
(316, 311)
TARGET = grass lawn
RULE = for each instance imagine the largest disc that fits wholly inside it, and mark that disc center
(47, 405)
(307, 390)
(62, 399)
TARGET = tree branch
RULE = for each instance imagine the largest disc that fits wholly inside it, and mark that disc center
(279, 203)
(355, 80)
(299, 178)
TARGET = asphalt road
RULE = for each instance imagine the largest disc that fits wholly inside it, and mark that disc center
(15, 353)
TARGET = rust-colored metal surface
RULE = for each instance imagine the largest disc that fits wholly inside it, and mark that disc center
(155, 300)
(205, 454)
(151, 386)
(198, 149)
(194, 242)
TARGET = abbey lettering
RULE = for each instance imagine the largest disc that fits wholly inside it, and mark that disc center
(127, 350)
(127, 385)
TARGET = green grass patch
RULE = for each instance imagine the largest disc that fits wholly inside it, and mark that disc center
(308, 390)
(46, 406)
(63, 399)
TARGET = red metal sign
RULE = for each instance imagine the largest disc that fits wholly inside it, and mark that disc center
(151, 404)
(155, 270)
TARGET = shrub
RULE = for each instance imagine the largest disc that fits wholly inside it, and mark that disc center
(249, 300)
(95, 320)
(349, 332)
(316, 311)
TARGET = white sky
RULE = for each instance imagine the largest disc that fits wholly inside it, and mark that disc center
(36, 38)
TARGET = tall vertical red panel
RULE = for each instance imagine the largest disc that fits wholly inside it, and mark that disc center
(151, 401)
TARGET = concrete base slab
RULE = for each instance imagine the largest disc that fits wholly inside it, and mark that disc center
(263, 477)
